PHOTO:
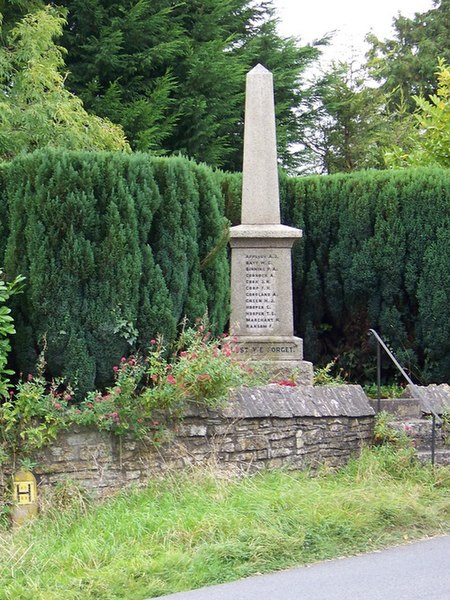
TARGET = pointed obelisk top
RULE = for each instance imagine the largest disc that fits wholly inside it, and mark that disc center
(260, 196)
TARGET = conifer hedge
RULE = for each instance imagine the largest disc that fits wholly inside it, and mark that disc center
(375, 254)
(116, 249)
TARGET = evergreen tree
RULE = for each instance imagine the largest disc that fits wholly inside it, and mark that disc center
(173, 74)
(405, 65)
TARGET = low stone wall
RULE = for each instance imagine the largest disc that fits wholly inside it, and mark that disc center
(272, 426)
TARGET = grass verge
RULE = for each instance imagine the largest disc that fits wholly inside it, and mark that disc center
(195, 529)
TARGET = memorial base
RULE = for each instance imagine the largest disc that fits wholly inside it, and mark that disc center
(280, 356)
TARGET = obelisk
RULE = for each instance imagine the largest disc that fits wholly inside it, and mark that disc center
(261, 273)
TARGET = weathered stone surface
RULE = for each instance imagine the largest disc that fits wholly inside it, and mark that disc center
(260, 203)
(436, 397)
(286, 402)
(261, 275)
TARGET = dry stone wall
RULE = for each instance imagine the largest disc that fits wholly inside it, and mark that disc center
(271, 426)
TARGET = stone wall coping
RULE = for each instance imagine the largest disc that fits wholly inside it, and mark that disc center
(286, 402)
(435, 396)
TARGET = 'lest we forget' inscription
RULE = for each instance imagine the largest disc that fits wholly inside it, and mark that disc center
(260, 294)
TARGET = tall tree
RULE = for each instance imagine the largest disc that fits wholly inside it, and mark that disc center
(351, 126)
(173, 73)
(405, 65)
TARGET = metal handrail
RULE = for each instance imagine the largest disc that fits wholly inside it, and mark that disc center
(435, 417)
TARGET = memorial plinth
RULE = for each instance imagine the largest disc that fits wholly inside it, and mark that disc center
(261, 275)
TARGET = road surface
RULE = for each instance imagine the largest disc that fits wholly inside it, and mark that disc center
(417, 571)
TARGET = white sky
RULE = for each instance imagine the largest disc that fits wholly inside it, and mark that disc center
(353, 19)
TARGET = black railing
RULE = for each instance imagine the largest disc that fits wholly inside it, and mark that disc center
(425, 404)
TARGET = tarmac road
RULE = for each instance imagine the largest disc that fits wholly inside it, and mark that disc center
(417, 571)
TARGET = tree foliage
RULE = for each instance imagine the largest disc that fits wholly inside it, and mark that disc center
(173, 74)
(36, 109)
(405, 65)
(429, 142)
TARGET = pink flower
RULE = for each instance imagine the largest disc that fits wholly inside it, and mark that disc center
(67, 397)
(183, 353)
(30, 377)
(193, 356)
(171, 379)
(227, 351)
(11, 393)
(104, 398)
(154, 377)
(57, 406)
(153, 341)
(140, 420)
(90, 405)
(118, 390)
(123, 359)
(115, 368)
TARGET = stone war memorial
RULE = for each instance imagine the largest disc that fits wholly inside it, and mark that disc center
(269, 426)
(261, 276)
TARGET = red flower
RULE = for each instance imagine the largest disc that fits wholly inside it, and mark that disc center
(287, 382)
(171, 379)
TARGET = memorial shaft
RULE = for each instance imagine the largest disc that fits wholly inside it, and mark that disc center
(261, 276)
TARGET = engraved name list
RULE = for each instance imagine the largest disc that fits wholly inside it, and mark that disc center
(260, 294)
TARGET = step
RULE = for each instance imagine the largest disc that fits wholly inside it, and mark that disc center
(419, 431)
(441, 456)
(401, 407)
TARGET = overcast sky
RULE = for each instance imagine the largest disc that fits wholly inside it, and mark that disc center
(353, 19)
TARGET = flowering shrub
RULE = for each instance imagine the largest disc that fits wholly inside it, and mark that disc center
(32, 416)
(200, 369)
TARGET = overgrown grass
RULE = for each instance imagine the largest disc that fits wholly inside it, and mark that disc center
(195, 529)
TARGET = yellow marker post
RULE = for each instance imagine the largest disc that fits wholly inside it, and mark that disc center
(25, 497)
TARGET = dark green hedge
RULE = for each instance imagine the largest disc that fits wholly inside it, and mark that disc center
(375, 254)
(116, 248)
